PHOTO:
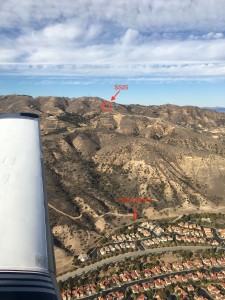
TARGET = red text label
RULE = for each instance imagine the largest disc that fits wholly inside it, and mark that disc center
(121, 87)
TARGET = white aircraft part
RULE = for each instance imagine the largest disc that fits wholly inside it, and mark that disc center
(23, 244)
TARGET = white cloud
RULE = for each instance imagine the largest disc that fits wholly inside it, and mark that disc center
(218, 35)
(45, 48)
(92, 37)
(208, 36)
(154, 15)
(212, 35)
(194, 71)
(131, 37)
(174, 79)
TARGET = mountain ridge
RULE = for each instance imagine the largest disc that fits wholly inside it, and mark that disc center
(173, 154)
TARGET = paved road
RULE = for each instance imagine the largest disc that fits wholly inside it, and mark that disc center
(127, 255)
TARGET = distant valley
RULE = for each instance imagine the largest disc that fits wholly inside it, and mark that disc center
(219, 109)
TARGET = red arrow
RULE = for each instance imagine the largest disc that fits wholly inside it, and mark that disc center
(114, 97)
(134, 214)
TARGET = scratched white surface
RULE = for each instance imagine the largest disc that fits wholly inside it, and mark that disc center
(22, 216)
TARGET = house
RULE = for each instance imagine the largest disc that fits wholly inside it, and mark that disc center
(177, 290)
(190, 288)
(114, 238)
(138, 274)
(127, 245)
(207, 262)
(83, 257)
(199, 274)
(127, 275)
(198, 297)
(158, 297)
(133, 236)
(158, 284)
(220, 276)
(117, 246)
(63, 296)
(208, 232)
(195, 277)
(112, 248)
(129, 238)
(197, 263)
(221, 233)
(164, 269)
(214, 261)
(142, 297)
(133, 275)
(134, 289)
(183, 293)
(133, 245)
(118, 295)
(119, 238)
(145, 286)
(107, 249)
(167, 281)
(215, 243)
(123, 237)
(147, 273)
(115, 280)
(123, 277)
(101, 285)
(102, 252)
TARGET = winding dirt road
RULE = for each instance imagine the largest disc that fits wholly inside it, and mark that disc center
(65, 214)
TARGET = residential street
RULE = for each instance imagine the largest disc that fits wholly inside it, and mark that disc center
(127, 255)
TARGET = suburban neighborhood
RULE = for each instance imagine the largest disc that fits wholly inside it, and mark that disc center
(195, 272)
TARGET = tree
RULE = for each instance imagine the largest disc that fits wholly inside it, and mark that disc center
(70, 283)
(104, 268)
(60, 285)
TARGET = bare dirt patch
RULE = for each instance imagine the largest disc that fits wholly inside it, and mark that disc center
(100, 224)
(170, 257)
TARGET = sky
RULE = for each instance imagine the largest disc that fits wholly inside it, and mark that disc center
(166, 51)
